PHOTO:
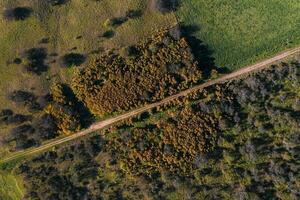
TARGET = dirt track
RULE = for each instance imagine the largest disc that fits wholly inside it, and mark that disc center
(102, 124)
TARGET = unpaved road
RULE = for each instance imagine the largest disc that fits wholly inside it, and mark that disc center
(103, 124)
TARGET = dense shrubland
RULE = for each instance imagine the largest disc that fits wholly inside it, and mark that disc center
(70, 115)
(171, 144)
(51, 115)
(27, 130)
(137, 75)
(34, 48)
(62, 108)
(37, 49)
(235, 140)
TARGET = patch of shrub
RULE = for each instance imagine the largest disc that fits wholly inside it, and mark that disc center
(73, 59)
(118, 21)
(18, 119)
(62, 111)
(69, 114)
(45, 127)
(172, 144)
(108, 34)
(18, 13)
(132, 14)
(44, 41)
(112, 83)
(22, 97)
(23, 137)
(165, 6)
(23, 129)
(17, 61)
(35, 58)
(57, 2)
(6, 113)
(25, 98)
(129, 51)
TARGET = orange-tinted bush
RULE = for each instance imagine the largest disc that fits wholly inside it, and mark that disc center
(157, 68)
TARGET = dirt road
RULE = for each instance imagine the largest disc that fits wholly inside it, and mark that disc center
(102, 124)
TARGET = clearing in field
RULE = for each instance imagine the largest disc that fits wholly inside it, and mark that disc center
(242, 32)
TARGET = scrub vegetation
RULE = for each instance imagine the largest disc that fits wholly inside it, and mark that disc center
(42, 42)
(66, 63)
(139, 74)
(234, 140)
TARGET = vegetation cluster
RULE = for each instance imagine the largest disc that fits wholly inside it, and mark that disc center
(28, 130)
(243, 138)
(137, 75)
(237, 140)
(62, 110)
(70, 115)
(171, 144)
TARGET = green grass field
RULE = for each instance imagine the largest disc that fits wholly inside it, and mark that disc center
(10, 187)
(245, 31)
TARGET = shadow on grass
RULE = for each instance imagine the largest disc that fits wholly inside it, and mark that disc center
(203, 54)
(86, 117)
(18, 13)
(73, 59)
(36, 60)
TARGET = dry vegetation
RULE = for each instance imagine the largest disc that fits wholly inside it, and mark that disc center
(171, 144)
(234, 140)
(138, 74)
(42, 41)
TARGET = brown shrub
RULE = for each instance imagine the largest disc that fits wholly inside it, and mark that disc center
(173, 144)
(160, 67)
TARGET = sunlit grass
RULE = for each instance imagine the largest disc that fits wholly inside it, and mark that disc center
(243, 32)
(10, 187)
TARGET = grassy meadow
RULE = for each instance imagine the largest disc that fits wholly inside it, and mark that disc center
(242, 32)
(10, 187)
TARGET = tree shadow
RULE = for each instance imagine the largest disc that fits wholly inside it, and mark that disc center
(86, 117)
(26, 99)
(36, 60)
(108, 34)
(165, 6)
(57, 2)
(132, 14)
(18, 13)
(117, 21)
(73, 59)
(202, 53)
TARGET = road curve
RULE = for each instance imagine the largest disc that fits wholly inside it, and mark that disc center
(108, 122)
